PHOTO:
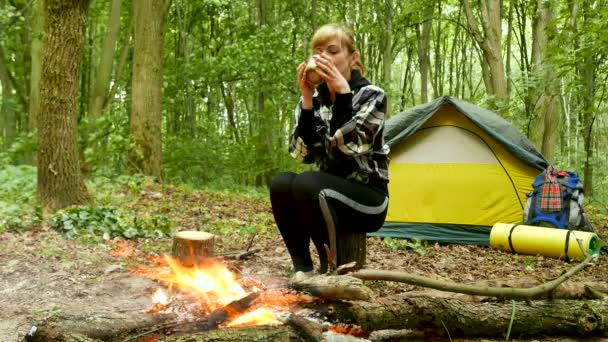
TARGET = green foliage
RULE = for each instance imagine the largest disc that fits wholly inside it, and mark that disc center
(17, 197)
(529, 263)
(108, 222)
(417, 245)
(106, 142)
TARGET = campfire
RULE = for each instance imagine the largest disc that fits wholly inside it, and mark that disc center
(212, 286)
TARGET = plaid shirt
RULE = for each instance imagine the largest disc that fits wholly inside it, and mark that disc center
(344, 137)
(551, 196)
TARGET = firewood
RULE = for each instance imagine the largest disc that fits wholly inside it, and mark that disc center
(192, 247)
(541, 318)
(255, 333)
(332, 287)
(310, 331)
(211, 321)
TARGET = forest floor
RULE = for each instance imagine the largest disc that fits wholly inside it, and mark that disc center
(44, 276)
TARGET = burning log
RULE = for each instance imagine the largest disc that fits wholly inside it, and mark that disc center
(192, 247)
(540, 318)
(217, 317)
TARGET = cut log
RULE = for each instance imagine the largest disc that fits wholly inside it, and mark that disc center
(192, 247)
(351, 247)
(541, 318)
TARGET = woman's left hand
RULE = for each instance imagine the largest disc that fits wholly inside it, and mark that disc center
(330, 73)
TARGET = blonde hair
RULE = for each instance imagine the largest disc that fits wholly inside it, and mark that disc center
(329, 31)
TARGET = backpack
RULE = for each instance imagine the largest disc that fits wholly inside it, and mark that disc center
(557, 201)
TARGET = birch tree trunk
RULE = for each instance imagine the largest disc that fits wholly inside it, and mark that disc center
(59, 181)
(146, 112)
(489, 40)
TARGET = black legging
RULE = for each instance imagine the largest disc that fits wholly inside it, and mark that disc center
(298, 204)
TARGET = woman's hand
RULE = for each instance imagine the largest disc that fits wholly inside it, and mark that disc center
(305, 88)
(330, 73)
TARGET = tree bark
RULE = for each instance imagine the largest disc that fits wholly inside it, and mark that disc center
(424, 39)
(146, 114)
(104, 69)
(265, 136)
(539, 318)
(36, 65)
(543, 91)
(193, 247)
(489, 40)
(59, 181)
(8, 118)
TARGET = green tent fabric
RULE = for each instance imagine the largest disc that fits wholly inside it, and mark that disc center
(403, 125)
(443, 233)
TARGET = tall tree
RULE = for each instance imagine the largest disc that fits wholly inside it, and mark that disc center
(146, 113)
(59, 181)
(104, 69)
(7, 111)
(543, 90)
(36, 55)
(424, 40)
(264, 134)
(488, 38)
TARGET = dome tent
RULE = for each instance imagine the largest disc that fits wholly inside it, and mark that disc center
(455, 170)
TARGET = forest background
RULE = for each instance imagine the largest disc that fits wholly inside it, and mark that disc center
(201, 93)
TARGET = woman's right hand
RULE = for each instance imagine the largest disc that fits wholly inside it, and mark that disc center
(305, 87)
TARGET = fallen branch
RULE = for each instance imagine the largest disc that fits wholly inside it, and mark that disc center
(238, 255)
(500, 292)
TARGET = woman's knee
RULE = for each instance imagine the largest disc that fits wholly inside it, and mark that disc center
(308, 182)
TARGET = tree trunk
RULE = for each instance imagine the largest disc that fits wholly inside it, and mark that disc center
(8, 119)
(104, 69)
(265, 133)
(387, 49)
(146, 114)
(539, 318)
(59, 180)
(489, 40)
(36, 65)
(543, 91)
(424, 39)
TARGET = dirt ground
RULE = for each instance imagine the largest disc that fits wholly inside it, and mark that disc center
(46, 277)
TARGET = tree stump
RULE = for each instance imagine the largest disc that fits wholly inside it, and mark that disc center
(351, 247)
(192, 247)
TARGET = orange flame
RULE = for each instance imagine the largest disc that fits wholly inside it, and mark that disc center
(215, 286)
(256, 317)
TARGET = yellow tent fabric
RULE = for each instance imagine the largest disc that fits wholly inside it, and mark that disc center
(450, 171)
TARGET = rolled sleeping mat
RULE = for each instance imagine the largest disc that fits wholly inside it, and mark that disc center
(550, 242)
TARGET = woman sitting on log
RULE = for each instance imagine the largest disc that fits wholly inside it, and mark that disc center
(339, 126)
